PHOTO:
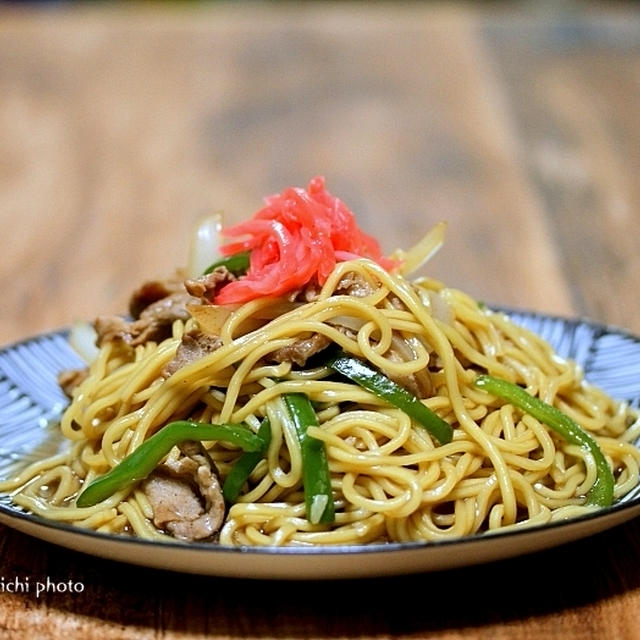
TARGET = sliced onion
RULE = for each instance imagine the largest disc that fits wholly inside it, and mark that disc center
(210, 317)
(205, 245)
(406, 353)
(437, 305)
(82, 338)
(348, 322)
(424, 250)
(440, 308)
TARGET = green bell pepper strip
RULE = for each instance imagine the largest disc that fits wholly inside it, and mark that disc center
(246, 463)
(141, 462)
(373, 380)
(238, 263)
(316, 479)
(601, 493)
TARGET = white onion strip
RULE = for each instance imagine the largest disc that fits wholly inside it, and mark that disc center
(205, 245)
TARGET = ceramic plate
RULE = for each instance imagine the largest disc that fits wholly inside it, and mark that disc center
(30, 403)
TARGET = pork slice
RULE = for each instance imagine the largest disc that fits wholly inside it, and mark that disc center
(170, 308)
(301, 350)
(112, 329)
(353, 284)
(186, 495)
(193, 346)
(308, 293)
(156, 320)
(206, 287)
(152, 291)
(153, 324)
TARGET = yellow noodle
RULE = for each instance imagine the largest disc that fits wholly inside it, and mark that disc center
(391, 480)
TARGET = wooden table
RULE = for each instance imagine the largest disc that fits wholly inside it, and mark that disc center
(121, 125)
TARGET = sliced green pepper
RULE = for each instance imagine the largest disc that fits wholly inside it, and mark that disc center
(376, 382)
(141, 462)
(316, 479)
(245, 464)
(601, 493)
(238, 263)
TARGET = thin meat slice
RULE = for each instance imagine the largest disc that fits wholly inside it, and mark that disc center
(153, 324)
(301, 350)
(193, 346)
(152, 291)
(206, 287)
(353, 284)
(186, 496)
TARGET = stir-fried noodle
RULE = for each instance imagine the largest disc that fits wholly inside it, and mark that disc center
(390, 478)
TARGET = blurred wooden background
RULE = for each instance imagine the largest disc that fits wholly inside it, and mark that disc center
(120, 125)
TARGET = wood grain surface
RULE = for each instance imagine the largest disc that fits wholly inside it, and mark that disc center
(120, 125)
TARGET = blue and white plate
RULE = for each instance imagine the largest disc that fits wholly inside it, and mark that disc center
(31, 402)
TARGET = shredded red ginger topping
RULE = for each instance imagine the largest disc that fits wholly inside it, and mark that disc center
(296, 238)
